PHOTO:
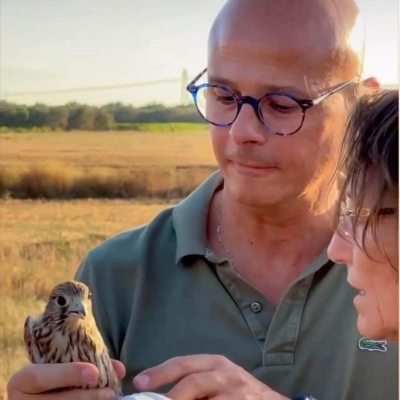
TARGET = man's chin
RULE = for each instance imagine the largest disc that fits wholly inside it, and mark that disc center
(254, 193)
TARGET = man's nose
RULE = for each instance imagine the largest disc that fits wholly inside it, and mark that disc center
(340, 250)
(247, 128)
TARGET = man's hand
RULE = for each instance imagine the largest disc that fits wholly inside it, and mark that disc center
(204, 376)
(46, 381)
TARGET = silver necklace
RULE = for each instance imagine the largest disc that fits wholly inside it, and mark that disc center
(219, 236)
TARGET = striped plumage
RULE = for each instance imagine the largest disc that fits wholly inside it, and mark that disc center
(67, 332)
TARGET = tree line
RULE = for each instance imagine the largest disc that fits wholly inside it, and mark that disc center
(75, 116)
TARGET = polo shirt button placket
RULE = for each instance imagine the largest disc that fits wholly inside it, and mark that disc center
(255, 307)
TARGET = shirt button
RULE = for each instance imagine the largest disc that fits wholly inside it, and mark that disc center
(255, 307)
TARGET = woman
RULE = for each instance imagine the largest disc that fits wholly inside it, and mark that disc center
(367, 238)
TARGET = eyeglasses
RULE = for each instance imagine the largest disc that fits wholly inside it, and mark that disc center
(346, 218)
(281, 113)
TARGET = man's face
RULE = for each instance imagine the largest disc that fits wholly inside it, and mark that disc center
(252, 53)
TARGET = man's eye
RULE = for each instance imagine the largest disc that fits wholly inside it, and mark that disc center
(222, 96)
(283, 108)
(226, 99)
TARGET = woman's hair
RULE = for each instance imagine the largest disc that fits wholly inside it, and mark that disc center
(370, 150)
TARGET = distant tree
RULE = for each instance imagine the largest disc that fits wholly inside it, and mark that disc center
(122, 113)
(103, 120)
(38, 114)
(13, 115)
(81, 117)
(57, 118)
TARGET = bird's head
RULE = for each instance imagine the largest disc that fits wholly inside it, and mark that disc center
(70, 302)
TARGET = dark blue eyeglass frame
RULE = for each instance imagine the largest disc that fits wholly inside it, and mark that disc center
(304, 104)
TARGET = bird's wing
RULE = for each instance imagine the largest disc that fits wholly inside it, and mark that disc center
(93, 346)
(107, 369)
(30, 342)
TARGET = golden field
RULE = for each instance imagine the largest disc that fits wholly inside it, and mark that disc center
(65, 165)
(43, 241)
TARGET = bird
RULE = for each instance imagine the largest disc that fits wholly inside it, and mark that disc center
(67, 332)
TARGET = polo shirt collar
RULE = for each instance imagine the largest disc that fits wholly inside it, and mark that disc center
(189, 219)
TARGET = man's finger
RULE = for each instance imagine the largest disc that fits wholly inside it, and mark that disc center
(85, 394)
(197, 386)
(175, 369)
(119, 369)
(77, 394)
(40, 378)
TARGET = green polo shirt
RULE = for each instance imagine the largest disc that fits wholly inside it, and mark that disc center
(160, 292)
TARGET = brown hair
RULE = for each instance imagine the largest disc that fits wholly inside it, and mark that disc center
(370, 148)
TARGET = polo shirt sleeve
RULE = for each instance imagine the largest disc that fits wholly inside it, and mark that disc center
(110, 273)
(116, 272)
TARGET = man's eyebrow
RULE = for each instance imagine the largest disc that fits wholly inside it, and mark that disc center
(219, 80)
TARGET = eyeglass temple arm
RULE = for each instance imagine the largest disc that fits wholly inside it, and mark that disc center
(325, 95)
(196, 78)
(316, 101)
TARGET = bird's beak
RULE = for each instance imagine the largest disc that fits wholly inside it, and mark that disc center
(77, 310)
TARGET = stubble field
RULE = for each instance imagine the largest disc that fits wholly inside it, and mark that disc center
(48, 224)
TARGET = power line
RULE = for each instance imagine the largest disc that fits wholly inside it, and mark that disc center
(123, 86)
(95, 88)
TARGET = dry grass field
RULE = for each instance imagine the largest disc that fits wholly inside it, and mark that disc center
(43, 241)
(63, 165)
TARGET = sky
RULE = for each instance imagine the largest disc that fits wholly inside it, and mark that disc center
(53, 45)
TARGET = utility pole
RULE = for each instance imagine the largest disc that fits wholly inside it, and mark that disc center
(184, 82)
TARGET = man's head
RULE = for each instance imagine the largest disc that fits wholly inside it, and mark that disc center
(260, 46)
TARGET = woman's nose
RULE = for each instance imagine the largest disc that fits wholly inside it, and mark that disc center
(340, 250)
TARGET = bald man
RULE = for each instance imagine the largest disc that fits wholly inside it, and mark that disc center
(230, 294)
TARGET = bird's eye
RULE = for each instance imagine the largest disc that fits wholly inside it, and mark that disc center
(89, 296)
(61, 301)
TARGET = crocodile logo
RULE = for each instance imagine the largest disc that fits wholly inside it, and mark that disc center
(372, 345)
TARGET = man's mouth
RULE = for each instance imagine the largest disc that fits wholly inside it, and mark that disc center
(252, 168)
(251, 164)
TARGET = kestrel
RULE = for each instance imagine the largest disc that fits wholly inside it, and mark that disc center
(67, 332)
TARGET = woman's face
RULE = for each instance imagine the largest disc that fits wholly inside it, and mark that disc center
(374, 274)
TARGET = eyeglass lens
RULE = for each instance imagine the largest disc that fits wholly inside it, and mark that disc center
(278, 112)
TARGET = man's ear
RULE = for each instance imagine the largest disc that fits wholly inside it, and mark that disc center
(372, 83)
